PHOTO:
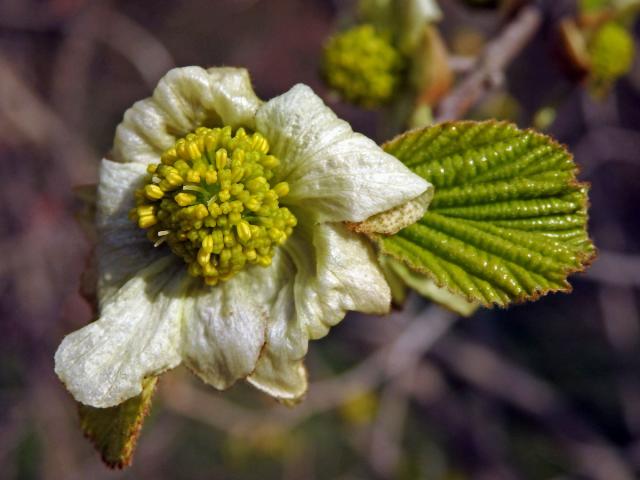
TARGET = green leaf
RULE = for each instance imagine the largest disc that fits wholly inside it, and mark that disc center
(400, 278)
(508, 219)
(114, 431)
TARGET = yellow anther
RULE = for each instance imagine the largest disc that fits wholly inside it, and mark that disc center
(209, 270)
(211, 177)
(234, 218)
(194, 152)
(236, 189)
(217, 242)
(193, 176)
(146, 221)
(225, 256)
(174, 179)
(181, 167)
(226, 214)
(264, 260)
(211, 143)
(201, 212)
(256, 184)
(260, 143)
(253, 204)
(221, 159)
(269, 161)
(181, 149)
(237, 158)
(244, 231)
(169, 156)
(207, 243)
(203, 256)
(229, 239)
(236, 174)
(145, 210)
(275, 234)
(224, 195)
(214, 209)
(153, 192)
(281, 189)
(185, 199)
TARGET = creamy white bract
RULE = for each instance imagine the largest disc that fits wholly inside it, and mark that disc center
(153, 316)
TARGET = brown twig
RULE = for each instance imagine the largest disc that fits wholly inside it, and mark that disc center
(489, 70)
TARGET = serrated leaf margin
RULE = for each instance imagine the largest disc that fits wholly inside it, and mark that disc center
(585, 259)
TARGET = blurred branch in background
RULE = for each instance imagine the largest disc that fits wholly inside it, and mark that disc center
(488, 71)
(394, 358)
(101, 23)
(489, 372)
(41, 126)
(616, 269)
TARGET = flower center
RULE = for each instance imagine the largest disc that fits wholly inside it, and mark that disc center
(211, 201)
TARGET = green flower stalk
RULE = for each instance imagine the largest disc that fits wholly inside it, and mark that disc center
(223, 238)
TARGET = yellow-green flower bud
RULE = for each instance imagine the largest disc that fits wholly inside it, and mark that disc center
(210, 200)
(363, 66)
(611, 51)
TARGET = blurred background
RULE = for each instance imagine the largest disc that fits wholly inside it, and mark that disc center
(546, 390)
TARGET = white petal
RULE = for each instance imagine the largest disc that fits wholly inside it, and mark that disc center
(136, 336)
(335, 173)
(226, 325)
(335, 272)
(117, 183)
(123, 248)
(342, 275)
(185, 99)
(280, 370)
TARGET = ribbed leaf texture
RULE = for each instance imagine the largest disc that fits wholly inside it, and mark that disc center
(508, 219)
(114, 431)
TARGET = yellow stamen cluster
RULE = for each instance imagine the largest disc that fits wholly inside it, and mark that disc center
(363, 66)
(211, 201)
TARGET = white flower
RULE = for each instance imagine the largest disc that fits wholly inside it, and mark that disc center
(256, 325)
